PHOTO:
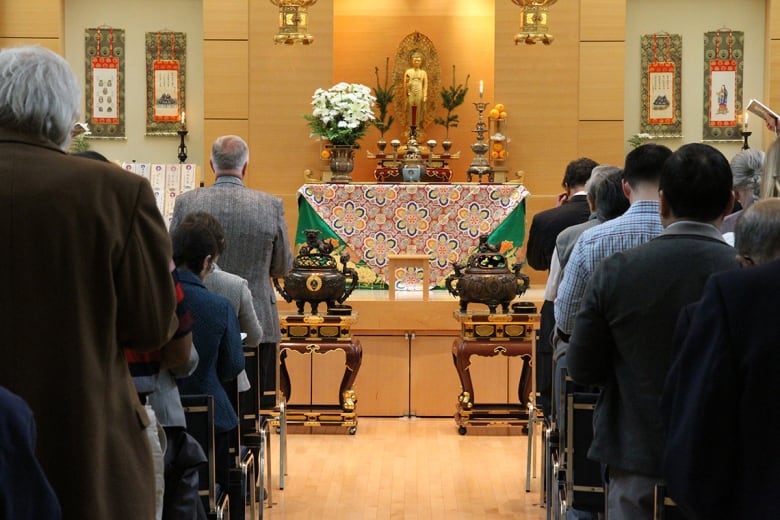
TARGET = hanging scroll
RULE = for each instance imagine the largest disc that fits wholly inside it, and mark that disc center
(105, 82)
(661, 63)
(165, 82)
(723, 58)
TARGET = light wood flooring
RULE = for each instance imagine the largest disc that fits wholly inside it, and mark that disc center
(401, 468)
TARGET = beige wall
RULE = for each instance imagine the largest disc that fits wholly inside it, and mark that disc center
(169, 15)
(692, 19)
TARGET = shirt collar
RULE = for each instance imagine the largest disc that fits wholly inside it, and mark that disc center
(229, 179)
(690, 227)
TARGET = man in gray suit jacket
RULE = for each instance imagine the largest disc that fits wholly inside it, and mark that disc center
(255, 228)
(622, 336)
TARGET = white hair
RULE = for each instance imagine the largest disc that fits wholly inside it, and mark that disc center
(39, 94)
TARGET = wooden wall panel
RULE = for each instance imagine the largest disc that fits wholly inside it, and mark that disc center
(226, 19)
(434, 383)
(602, 20)
(602, 141)
(773, 19)
(31, 18)
(601, 89)
(382, 385)
(54, 44)
(282, 79)
(226, 88)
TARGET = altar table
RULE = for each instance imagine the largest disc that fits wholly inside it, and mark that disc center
(373, 221)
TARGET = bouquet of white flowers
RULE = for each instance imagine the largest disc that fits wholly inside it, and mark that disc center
(341, 114)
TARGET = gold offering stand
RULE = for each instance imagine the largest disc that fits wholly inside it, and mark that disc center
(486, 334)
(435, 166)
(319, 334)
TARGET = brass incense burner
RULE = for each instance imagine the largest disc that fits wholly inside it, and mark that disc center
(487, 279)
(315, 278)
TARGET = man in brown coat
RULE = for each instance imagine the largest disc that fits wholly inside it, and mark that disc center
(84, 272)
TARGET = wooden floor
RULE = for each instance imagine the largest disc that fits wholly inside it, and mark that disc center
(399, 468)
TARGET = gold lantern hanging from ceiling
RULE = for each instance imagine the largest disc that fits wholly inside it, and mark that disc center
(293, 21)
(534, 27)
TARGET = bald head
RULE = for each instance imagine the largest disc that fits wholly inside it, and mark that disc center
(229, 155)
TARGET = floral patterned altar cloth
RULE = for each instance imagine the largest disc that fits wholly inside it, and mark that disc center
(444, 221)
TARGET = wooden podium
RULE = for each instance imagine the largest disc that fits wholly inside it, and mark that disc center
(485, 334)
(319, 334)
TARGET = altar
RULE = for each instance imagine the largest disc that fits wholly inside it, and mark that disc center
(372, 222)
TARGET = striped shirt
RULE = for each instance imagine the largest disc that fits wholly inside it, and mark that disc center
(640, 223)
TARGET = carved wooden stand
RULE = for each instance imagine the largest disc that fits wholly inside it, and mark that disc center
(315, 334)
(484, 334)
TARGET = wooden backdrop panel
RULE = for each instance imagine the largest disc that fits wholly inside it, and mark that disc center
(31, 18)
(228, 92)
(601, 92)
(226, 20)
(603, 20)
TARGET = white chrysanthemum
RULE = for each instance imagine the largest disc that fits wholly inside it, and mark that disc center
(341, 113)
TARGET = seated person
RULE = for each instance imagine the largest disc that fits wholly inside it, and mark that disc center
(232, 287)
(215, 334)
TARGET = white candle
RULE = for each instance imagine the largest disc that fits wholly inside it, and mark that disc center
(183, 118)
(481, 89)
(745, 121)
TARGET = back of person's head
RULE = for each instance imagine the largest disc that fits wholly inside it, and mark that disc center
(192, 243)
(91, 154)
(608, 195)
(211, 222)
(644, 163)
(770, 183)
(229, 152)
(757, 232)
(696, 183)
(578, 172)
(39, 94)
(746, 169)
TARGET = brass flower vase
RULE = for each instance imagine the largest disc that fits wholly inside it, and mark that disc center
(342, 162)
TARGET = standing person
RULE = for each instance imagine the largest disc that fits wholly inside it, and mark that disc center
(572, 208)
(623, 332)
(640, 223)
(256, 230)
(84, 275)
(725, 358)
(746, 168)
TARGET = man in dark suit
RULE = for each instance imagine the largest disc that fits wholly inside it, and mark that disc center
(84, 274)
(256, 230)
(722, 377)
(623, 332)
(572, 208)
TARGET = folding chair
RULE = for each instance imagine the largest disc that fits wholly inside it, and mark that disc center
(255, 434)
(584, 487)
(664, 507)
(242, 472)
(199, 412)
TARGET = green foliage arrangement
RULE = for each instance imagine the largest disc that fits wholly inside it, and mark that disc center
(384, 94)
(451, 98)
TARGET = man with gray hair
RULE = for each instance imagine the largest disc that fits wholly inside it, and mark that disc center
(255, 227)
(85, 273)
(746, 169)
